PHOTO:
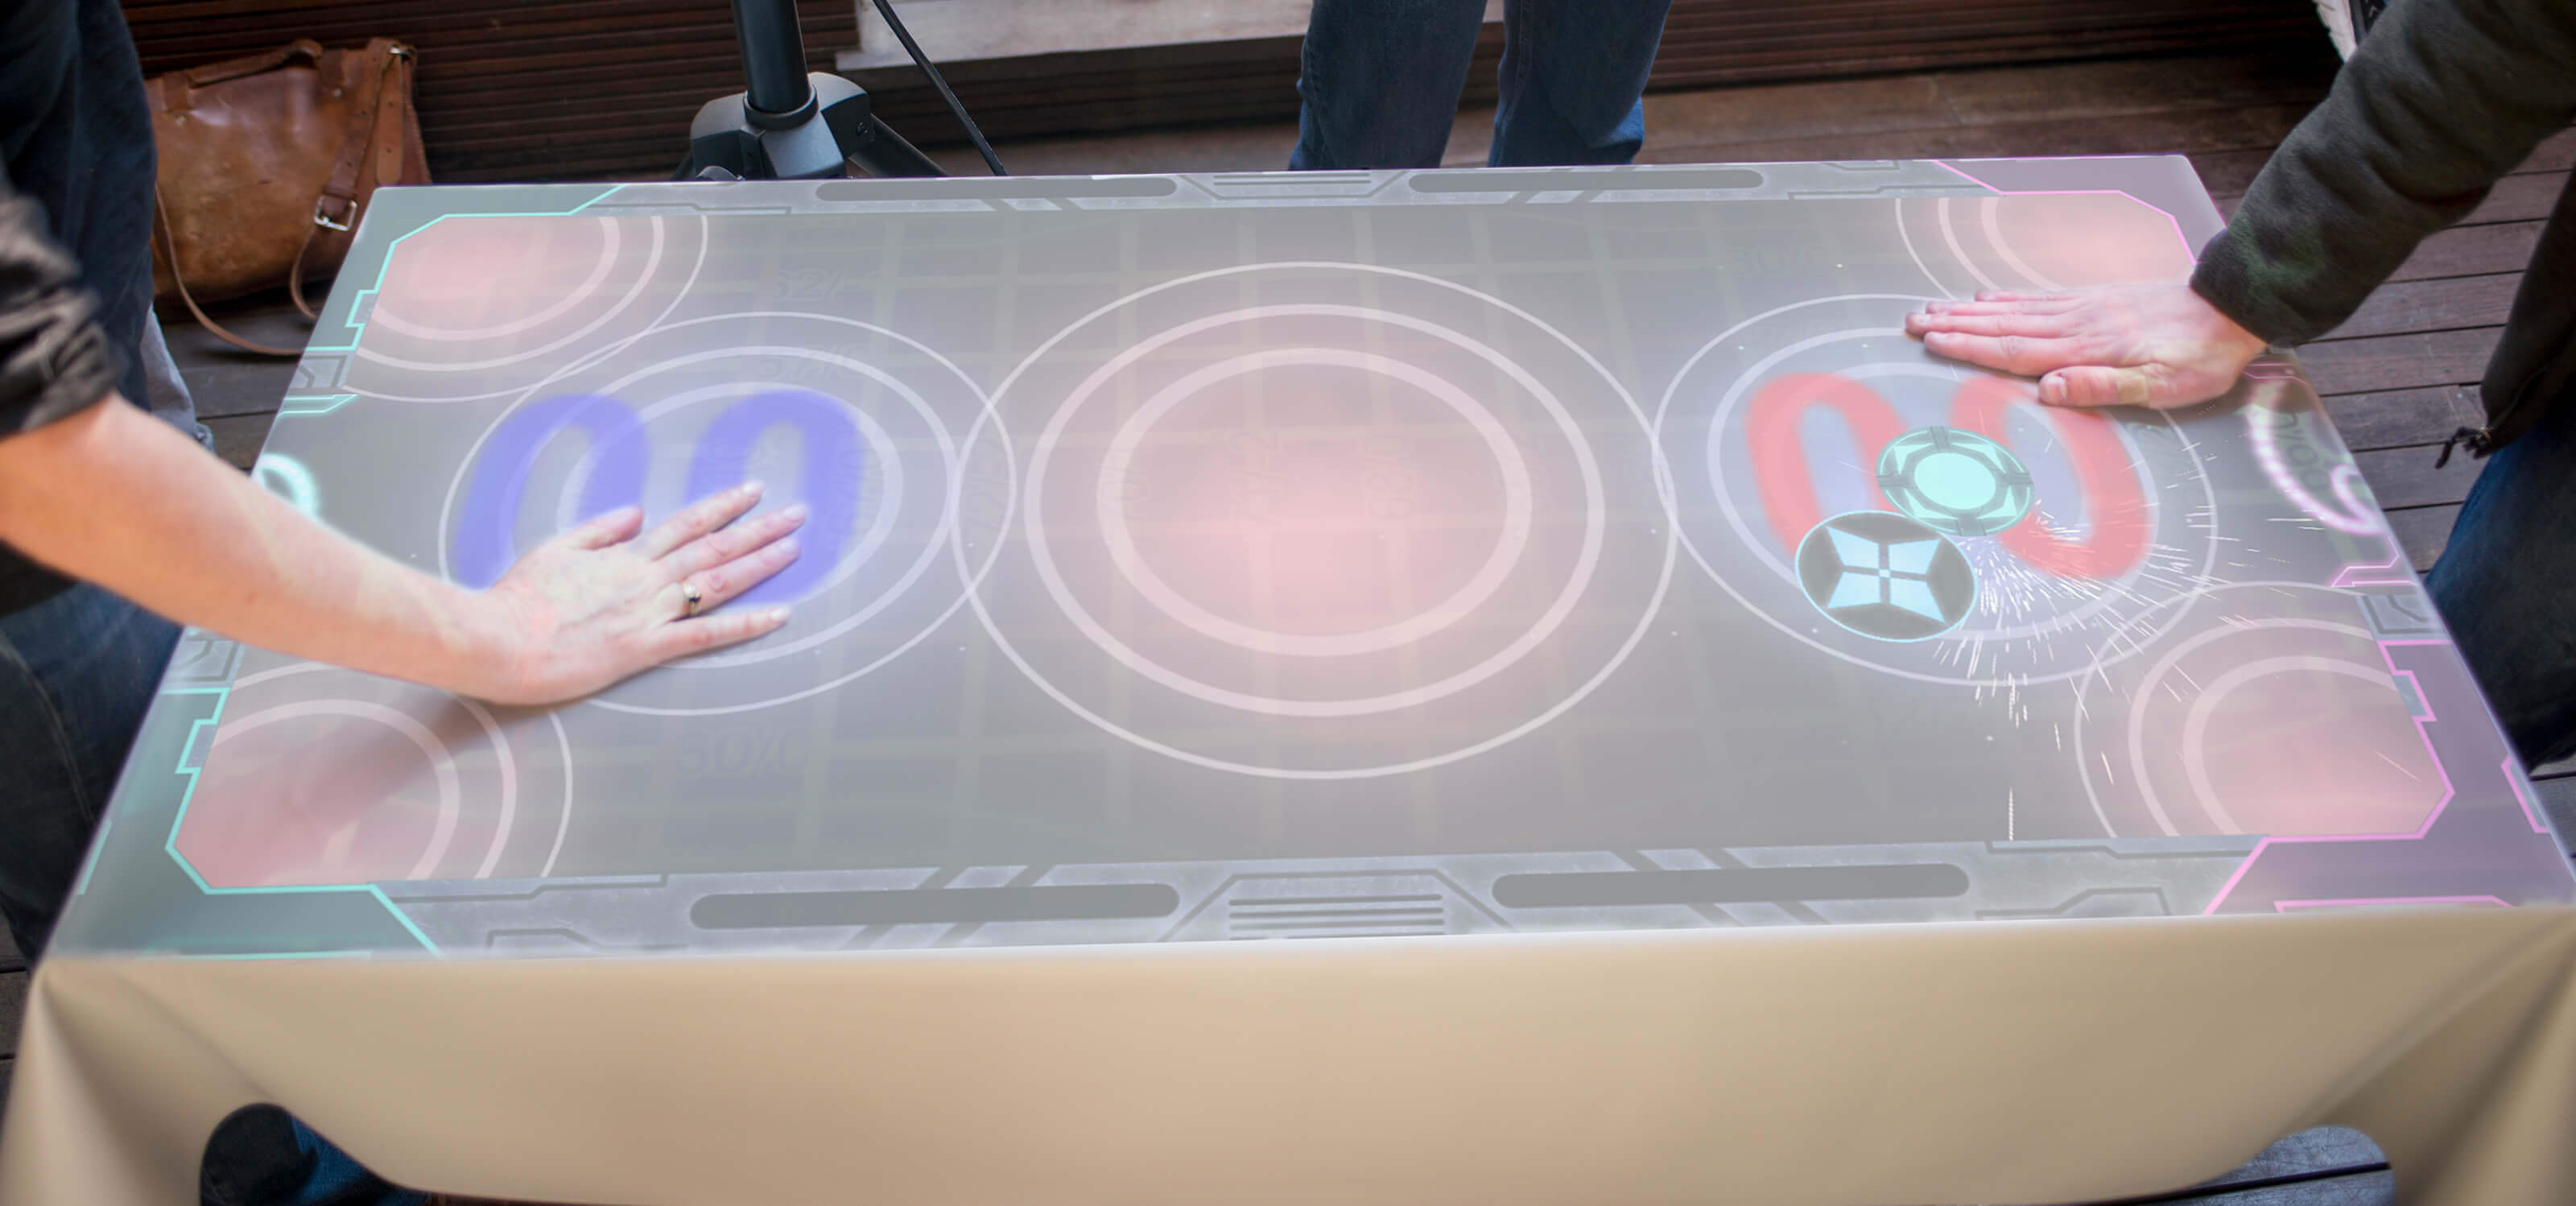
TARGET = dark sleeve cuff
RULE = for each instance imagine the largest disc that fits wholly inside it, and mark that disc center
(2441, 99)
(54, 359)
(2237, 289)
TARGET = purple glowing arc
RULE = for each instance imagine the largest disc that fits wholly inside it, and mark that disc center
(834, 462)
(486, 541)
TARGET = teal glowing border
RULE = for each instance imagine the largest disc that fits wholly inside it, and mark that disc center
(359, 299)
(187, 795)
(306, 404)
(312, 404)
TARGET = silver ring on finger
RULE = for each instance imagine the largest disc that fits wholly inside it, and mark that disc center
(690, 600)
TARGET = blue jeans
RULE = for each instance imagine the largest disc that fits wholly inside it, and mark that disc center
(1381, 78)
(76, 673)
(2506, 583)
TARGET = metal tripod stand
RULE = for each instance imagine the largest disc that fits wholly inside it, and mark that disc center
(789, 124)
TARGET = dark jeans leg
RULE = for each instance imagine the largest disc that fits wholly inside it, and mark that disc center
(263, 1156)
(1380, 80)
(76, 673)
(1574, 81)
(2507, 585)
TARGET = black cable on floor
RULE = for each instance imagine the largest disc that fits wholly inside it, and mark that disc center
(922, 61)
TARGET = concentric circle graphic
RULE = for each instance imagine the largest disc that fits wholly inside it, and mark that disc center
(1319, 521)
(2075, 523)
(2042, 242)
(862, 426)
(532, 295)
(1120, 460)
(2293, 442)
(422, 785)
(2273, 710)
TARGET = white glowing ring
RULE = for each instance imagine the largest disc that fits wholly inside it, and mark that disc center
(505, 763)
(1461, 603)
(441, 764)
(949, 455)
(582, 361)
(2357, 518)
(1585, 563)
(1666, 488)
(890, 504)
(975, 574)
(643, 278)
(598, 273)
(2137, 726)
(2195, 725)
(1989, 209)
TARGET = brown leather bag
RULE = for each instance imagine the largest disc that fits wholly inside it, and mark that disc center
(266, 163)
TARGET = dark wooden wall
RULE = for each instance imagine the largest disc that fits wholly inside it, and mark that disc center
(570, 89)
(514, 89)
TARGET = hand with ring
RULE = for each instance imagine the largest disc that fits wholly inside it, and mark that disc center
(608, 599)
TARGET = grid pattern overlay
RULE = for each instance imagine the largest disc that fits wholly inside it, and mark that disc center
(1260, 555)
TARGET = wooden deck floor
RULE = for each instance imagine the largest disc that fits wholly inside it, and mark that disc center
(2398, 377)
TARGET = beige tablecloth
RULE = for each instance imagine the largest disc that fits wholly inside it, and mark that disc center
(1996, 1063)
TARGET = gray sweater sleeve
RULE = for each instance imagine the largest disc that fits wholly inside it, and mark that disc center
(2442, 98)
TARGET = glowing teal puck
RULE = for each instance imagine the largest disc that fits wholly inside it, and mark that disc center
(1955, 482)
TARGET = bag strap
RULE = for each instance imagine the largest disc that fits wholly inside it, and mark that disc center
(253, 64)
(175, 91)
(391, 60)
(170, 245)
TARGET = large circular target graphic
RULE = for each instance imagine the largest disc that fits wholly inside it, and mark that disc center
(1316, 521)
(2077, 524)
(421, 785)
(468, 297)
(861, 426)
(2041, 241)
(2272, 711)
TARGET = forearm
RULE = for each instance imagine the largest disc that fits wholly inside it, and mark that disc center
(114, 497)
(2442, 99)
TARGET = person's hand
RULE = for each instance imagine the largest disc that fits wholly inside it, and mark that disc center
(2125, 345)
(599, 602)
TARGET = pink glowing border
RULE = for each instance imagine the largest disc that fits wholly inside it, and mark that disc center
(2385, 573)
(2513, 778)
(2357, 517)
(2449, 792)
(2189, 252)
(2284, 906)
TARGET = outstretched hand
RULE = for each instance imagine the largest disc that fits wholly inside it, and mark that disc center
(2125, 345)
(600, 602)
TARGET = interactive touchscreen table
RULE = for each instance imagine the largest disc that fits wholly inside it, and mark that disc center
(1273, 556)
(1321, 556)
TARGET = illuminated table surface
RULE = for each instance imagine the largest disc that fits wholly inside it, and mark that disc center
(1376, 559)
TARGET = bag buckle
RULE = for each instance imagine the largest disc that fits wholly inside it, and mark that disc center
(324, 220)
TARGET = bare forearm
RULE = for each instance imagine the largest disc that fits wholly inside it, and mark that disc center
(115, 497)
